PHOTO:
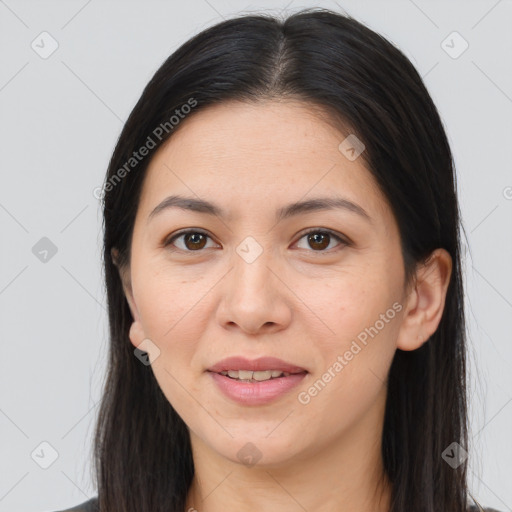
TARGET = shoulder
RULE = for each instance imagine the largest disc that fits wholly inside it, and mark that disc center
(87, 506)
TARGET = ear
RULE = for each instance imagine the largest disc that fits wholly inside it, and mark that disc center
(425, 301)
(136, 330)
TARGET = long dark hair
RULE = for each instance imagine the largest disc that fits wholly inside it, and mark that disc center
(142, 454)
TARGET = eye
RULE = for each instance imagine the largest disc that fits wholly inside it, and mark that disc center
(320, 239)
(193, 240)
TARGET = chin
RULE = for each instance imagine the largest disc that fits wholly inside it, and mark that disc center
(258, 450)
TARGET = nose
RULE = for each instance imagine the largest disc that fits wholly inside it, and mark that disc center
(255, 298)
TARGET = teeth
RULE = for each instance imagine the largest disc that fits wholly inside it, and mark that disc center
(250, 376)
(262, 375)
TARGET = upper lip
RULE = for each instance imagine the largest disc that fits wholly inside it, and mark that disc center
(260, 364)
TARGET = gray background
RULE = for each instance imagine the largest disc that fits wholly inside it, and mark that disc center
(60, 118)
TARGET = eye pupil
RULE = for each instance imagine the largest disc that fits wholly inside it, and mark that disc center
(192, 237)
(195, 241)
(314, 238)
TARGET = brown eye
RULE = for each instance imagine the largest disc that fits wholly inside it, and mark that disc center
(192, 241)
(319, 240)
(196, 241)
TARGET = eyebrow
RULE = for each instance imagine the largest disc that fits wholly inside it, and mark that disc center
(290, 210)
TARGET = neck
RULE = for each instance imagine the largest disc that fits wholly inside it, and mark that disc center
(346, 476)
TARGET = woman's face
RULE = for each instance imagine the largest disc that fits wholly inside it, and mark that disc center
(248, 283)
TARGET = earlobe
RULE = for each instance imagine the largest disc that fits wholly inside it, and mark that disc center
(136, 333)
(426, 301)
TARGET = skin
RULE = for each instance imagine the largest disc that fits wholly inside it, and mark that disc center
(301, 304)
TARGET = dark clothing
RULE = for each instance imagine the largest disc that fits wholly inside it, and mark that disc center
(92, 506)
(87, 506)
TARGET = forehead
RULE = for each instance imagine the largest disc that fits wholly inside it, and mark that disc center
(255, 155)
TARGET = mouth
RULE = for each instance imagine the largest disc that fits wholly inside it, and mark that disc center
(258, 381)
(259, 376)
(263, 368)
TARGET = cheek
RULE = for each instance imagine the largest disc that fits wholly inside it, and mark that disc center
(363, 317)
(171, 314)
(171, 308)
(353, 371)
(350, 303)
(175, 370)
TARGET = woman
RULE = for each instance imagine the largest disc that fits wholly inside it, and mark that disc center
(282, 260)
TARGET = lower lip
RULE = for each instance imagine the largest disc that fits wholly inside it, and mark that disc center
(256, 393)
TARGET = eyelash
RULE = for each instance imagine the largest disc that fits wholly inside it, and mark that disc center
(342, 241)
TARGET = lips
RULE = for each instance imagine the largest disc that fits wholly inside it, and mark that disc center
(262, 364)
(262, 388)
